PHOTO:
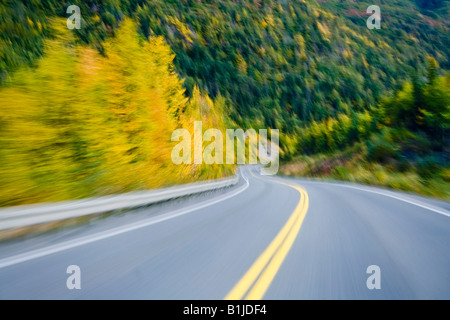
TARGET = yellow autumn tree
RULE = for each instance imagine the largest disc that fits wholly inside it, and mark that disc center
(81, 124)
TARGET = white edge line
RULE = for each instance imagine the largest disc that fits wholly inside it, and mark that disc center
(387, 194)
(34, 254)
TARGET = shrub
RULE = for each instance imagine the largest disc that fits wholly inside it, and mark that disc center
(428, 167)
(381, 151)
(341, 173)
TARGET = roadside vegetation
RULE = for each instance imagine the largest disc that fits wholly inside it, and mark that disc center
(90, 112)
(81, 124)
(403, 143)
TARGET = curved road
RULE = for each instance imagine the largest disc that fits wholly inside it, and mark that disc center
(267, 238)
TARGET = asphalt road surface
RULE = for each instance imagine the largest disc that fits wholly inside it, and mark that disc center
(266, 238)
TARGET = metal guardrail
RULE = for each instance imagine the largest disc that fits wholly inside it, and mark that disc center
(29, 215)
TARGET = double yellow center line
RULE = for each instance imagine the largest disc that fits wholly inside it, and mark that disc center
(258, 278)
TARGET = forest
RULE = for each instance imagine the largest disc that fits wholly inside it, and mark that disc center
(402, 143)
(278, 64)
(342, 96)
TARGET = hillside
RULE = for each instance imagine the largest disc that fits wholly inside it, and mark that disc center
(279, 63)
(304, 67)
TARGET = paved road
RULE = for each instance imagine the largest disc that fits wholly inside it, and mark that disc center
(271, 238)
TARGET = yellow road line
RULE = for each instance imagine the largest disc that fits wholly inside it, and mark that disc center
(264, 269)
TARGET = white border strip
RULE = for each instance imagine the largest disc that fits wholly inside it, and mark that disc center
(436, 209)
(390, 195)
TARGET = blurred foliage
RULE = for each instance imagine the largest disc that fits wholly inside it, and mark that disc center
(80, 124)
(423, 175)
(311, 69)
(284, 64)
(280, 64)
(421, 107)
(404, 143)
